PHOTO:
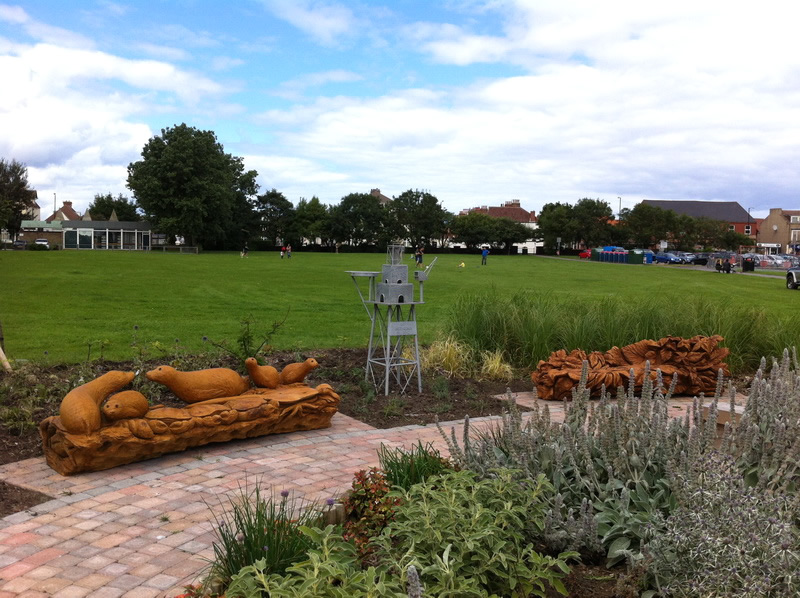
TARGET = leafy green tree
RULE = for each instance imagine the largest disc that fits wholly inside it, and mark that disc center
(557, 220)
(276, 216)
(508, 231)
(16, 198)
(646, 225)
(360, 219)
(104, 205)
(312, 220)
(421, 217)
(592, 222)
(187, 186)
(473, 229)
(732, 240)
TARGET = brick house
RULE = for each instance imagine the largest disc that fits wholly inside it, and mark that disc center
(513, 210)
(780, 232)
(729, 212)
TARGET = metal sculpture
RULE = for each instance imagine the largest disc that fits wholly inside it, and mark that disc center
(393, 350)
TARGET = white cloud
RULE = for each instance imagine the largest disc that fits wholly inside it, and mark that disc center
(294, 88)
(41, 31)
(164, 52)
(325, 22)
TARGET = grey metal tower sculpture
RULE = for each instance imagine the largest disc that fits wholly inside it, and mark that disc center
(390, 305)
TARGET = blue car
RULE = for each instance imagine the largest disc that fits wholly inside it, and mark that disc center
(668, 258)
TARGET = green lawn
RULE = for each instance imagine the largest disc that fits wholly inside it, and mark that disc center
(60, 301)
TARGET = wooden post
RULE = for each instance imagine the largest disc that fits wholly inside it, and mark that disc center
(4, 361)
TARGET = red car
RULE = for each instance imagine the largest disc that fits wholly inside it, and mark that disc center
(585, 254)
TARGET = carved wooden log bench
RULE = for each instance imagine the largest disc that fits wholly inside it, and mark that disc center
(89, 435)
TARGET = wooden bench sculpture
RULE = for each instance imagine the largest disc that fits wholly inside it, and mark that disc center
(98, 427)
(695, 362)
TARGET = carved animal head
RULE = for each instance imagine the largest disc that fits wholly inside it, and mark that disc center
(161, 373)
(311, 362)
(250, 362)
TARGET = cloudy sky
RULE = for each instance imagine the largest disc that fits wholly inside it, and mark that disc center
(478, 102)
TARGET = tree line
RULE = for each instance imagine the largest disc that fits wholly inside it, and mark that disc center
(591, 222)
(186, 185)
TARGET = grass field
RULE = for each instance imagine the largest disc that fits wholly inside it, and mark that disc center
(61, 301)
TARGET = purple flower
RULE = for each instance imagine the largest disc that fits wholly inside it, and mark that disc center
(330, 502)
(284, 493)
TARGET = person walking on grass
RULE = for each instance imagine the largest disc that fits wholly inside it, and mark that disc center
(283, 250)
(418, 256)
(484, 255)
(288, 251)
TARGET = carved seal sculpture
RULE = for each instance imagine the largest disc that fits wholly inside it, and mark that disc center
(263, 376)
(297, 372)
(201, 385)
(125, 405)
(80, 408)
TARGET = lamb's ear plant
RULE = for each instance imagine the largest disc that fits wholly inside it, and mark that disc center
(725, 538)
(606, 462)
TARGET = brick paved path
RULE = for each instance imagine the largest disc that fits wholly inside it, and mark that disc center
(145, 530)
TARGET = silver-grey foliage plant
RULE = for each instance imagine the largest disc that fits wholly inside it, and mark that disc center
(619, 467)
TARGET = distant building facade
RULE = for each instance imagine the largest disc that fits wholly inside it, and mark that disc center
(780, 232)
(67, 229)
(513, 210)
(730, 212)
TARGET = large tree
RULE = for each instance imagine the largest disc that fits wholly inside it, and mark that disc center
(420, 215)
(557, 220)
(276, 216)
(311, 220)
(16, 198)
(647, 225)
(473, 229)
(104, 205)
(360, 219)
(187, 186)
(508, 231)
(592, 222)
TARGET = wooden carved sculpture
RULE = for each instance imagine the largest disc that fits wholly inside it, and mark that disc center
(95, 431)
(694, 362)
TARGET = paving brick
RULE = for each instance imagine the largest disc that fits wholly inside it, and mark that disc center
(71, 592)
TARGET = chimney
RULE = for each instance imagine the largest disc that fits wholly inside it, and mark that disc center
(67, 204)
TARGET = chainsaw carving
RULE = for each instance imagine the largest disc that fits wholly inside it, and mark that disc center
(694, 362)
(91, 435)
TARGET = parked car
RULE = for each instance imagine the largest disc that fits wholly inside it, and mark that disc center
(701, 259)
(793, 278)
(42, 242)
(585, 254)
(686, 256)
(668, 258)
(20, 244)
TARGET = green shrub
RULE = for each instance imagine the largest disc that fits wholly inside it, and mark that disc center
(368, 508)
(259, 529)
(470, 537)
(330, 570)
(405, 468)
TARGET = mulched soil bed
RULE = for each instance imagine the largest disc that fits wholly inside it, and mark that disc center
(442, 398)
